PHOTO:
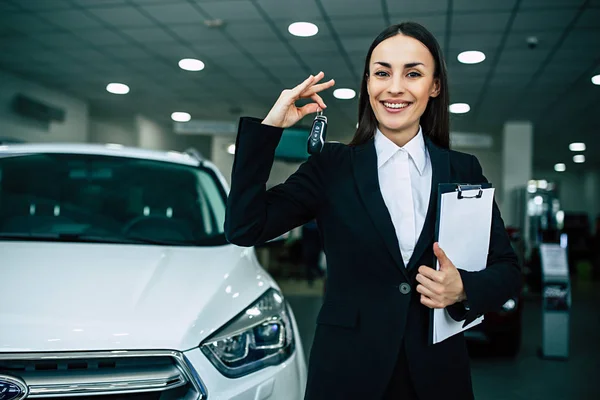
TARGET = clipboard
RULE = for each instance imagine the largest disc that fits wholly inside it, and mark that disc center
(463, 230)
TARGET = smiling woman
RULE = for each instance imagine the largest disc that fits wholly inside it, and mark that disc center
(374, 202)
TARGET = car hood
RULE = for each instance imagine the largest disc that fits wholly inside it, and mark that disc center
(82, 296)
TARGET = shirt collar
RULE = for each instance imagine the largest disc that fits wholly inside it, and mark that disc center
(415, 148)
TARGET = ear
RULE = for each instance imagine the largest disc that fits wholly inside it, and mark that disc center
(435, 89)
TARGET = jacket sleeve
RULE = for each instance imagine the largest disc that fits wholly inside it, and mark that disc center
(488, 289)
(255, 215)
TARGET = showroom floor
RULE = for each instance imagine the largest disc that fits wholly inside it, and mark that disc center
(527, 377)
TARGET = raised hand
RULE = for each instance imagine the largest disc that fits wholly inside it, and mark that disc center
(284, 112)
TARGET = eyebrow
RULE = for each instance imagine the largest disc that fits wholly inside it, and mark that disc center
(408, 65)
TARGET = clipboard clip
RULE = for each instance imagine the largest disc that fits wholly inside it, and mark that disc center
(465, 188)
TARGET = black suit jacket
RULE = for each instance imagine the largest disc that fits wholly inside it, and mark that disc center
(365, 318)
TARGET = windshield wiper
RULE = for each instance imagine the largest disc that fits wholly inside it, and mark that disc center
(85, 238)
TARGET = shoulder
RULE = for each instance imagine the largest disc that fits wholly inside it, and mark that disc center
(459, 157)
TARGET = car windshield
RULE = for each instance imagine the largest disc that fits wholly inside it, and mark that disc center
(94, 198)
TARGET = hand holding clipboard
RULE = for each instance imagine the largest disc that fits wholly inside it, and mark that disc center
(463, 228)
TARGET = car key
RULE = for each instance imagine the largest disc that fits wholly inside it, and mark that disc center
(316, 140)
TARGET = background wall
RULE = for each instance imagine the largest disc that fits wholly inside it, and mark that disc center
(12, 125)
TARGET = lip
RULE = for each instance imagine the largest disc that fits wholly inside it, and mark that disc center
(398, 110)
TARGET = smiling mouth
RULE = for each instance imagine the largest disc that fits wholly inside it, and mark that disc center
(395, 106)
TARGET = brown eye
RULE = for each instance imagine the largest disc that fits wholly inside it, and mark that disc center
(381, 73)
(414, 74)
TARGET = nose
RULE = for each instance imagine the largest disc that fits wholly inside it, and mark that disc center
(396, 84)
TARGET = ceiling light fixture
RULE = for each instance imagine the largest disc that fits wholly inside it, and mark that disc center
(191, 64)
(596, 79)
(344, 94)
(471, 57)
(231, 149)
(577, 147)
(579, 158)
(117, 88)
(181, 117)
(303, 29)
(459, 108)
(560, 167)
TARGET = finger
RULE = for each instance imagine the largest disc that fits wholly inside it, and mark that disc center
(318, 100)
(431, 274)
(425, 291)
(426, 301)
(318, 88)
(311, 80)
(430, 284)
(303, 86)
(310, 108)
(439, 253)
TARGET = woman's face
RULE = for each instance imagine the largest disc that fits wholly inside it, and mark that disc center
(400, 82)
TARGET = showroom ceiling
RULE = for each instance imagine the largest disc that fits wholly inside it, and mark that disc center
(81, 45)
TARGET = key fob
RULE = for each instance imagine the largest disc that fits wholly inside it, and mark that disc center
(318, 132)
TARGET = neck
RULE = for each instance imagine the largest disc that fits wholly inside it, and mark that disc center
(400, 138)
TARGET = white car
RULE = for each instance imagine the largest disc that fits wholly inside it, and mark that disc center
(116, 281)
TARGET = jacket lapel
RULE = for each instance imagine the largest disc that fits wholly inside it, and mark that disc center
(364, 166)
(440, 165)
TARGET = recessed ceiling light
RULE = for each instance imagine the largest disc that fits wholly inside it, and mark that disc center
(577, 147)
(303, 29)
(231, 149)
(344, 94)
(560, 167)
(471, 57)
(191, 64)
(596, 79)
(117, 88)
(181, 117)
(459, 108)
(579, 158)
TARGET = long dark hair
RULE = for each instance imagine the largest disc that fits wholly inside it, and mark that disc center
(435, 121)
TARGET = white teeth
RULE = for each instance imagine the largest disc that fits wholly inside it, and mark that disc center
(396, 105)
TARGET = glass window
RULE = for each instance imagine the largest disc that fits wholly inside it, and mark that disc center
(75, 197)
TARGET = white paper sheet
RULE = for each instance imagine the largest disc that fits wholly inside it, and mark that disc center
(464, 235)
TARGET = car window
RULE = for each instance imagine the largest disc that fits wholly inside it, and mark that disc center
(73, 195)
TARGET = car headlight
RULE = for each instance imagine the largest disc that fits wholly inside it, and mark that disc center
(258, 337)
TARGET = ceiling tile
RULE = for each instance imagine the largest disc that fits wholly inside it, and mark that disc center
(316, 46)
(174, 13)
(487, 5)
(61, 40)
(589, 19)
(484, 41)
(417, 6)
(122, 16)
(41, 5)
(98, 3)
(26, 22)
(298, 10)
(127, 52)
(250, 31)
(352, 8)
(231, 11)
(543, 20)
(5, 7)
(265, 48)
(149, 35)
(366, 26)
(102, 37)
(480, 22)
(545, 4)
(197, 33)
(357, 44)
(70, 19)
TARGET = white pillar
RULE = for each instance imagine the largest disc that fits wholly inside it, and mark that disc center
(517, 161)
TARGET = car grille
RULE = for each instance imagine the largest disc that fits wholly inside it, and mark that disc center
(118, 375)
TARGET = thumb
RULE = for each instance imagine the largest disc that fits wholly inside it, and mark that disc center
(310, 108)
(440, 254)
